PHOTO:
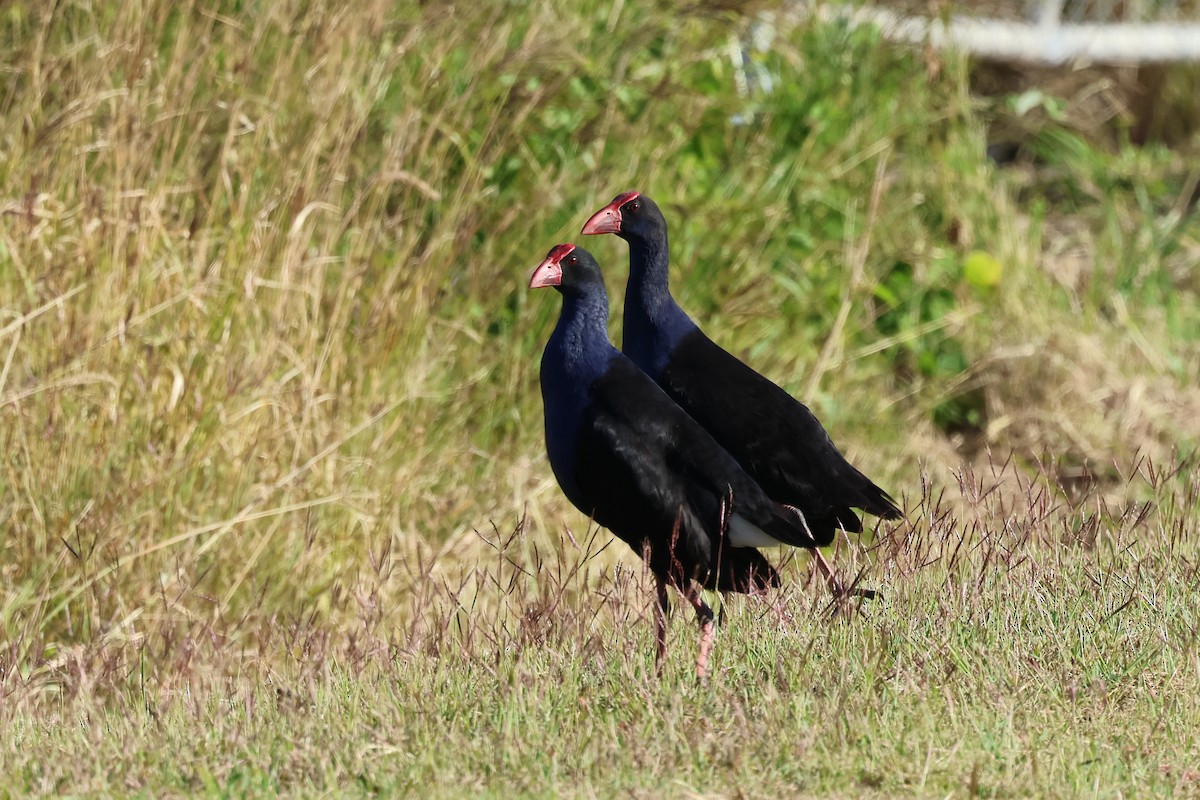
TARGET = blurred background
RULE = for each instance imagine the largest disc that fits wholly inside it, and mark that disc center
(267, 354)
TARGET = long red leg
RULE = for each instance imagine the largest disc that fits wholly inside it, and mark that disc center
(826, 570)
(661, 606)
(707, 630)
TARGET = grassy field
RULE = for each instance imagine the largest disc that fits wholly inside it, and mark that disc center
(275, 515)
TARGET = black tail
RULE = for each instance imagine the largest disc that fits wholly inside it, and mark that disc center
(866, 495)
(879, 503)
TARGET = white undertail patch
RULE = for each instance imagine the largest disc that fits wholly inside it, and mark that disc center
(744, 533)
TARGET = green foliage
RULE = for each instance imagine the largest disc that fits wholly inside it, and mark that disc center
(1136, 202)
(927, 308)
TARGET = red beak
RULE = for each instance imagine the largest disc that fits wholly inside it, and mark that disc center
(549, 272)
(608, 219)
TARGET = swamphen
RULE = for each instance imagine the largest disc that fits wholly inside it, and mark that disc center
(774, 437)
(626, 455)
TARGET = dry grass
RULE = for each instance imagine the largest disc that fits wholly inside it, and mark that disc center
(527, 667)
(268, 412)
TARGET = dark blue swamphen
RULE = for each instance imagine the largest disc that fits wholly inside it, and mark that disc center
(773, 436)
(627, 456)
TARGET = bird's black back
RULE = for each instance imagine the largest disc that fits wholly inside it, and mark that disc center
(775, 438)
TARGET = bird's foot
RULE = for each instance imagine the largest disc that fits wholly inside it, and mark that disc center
(840, 591)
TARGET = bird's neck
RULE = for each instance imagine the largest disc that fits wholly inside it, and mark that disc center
(649, 275)
(579, 346)
(654, 322)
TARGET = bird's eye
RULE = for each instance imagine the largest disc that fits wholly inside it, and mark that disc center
(573, 260)
(634, 207)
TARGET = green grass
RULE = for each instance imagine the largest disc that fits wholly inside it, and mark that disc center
(1054, 655)
(268, 364)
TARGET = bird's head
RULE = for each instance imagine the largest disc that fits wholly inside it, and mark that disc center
(570, 269)
(631, 215)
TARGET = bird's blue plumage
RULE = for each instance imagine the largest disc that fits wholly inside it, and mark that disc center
(654, 322)
(576, 356)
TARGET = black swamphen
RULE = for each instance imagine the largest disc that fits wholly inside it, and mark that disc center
(774, 437)
(631, 459)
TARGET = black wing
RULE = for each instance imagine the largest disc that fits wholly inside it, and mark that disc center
(772, 435)
(643, 464)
